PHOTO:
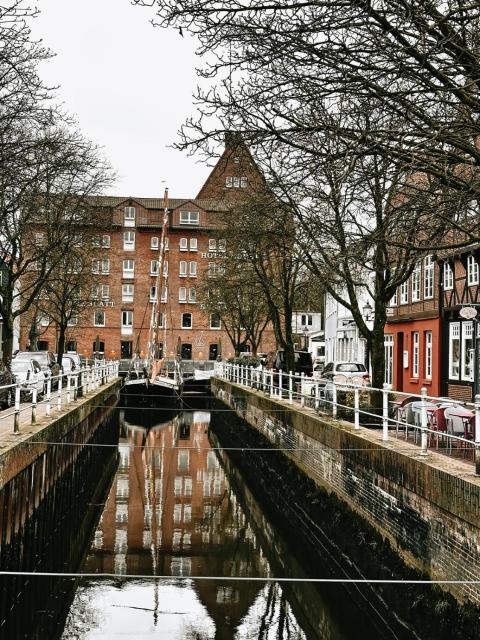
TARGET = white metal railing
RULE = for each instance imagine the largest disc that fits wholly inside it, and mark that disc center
(69, 387)
(408, 415)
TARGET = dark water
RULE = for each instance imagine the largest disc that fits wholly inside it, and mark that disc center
(171, 511)
(169, 497)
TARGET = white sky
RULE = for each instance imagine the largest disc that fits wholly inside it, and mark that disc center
(129, 85)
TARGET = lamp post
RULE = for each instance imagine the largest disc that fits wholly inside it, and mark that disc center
(367, 313)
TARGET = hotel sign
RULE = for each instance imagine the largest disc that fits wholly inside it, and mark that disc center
(468, 313)
(209, 254)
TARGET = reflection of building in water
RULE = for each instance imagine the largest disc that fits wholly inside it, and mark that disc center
(171, 511)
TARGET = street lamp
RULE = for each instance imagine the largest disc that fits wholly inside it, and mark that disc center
(367, 313)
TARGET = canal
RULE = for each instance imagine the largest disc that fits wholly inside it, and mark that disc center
(194, 498)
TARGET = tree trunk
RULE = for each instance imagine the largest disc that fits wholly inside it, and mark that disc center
(377, 353)
(61, 343)
(7, 331)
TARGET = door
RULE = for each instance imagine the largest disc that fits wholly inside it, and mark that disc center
(213, 352)
(186, 351)
(126, 349)
(398, 362)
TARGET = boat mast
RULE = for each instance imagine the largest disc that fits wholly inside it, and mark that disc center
(161, 278)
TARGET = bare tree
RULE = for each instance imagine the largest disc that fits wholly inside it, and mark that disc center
(235, 296)
(278, 64)
(47, 172)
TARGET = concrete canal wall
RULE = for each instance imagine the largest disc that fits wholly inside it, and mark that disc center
(429, 508)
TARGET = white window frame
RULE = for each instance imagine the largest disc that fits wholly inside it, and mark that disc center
(454, 336)
(472, 271)
(192, 295)
(192, 269)
(428, 278)
(236, 182)
(153, 293)
(105, 266)
(164, 297)
(105, 292)
(129, 240)
(182, 294)
(154, 265)
(222, 245)
(428, 355)
(404, 293)
(95, 292)
(212, 326)
(95, 265)
(128, 272)
(182, 269)
(243, 182)
(106, 241)
(191, 320)
(183, 244)
(128, 291)
(394, 300)
(39, 239)
(166, 243)
(129, 215)
(229, 182)
(127, 318)
(415, 354)
(416, 283)
(389, 346)
(447, 277)
(95, 323)
(212, 244)
(467, 364)
(191, 218)
(73, 320)
(154, 242)
(193, 244)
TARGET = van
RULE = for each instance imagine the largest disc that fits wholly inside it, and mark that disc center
(303, 362)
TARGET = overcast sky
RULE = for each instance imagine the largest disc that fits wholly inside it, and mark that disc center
(130, 86)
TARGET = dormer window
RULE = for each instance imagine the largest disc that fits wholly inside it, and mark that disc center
(129, 216)
(189, 217)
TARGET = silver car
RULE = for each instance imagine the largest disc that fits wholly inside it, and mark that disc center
(30, 376)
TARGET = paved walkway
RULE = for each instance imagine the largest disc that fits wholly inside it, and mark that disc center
(7, 435)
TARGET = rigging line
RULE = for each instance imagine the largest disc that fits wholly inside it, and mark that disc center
(133, 576)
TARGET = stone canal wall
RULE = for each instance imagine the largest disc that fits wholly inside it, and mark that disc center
(429, 508)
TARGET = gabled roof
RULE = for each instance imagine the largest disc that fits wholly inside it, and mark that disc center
(159, 203)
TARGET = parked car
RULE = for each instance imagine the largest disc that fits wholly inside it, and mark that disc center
(68, 365)
(46, 360)
(347, 372)
(29, 374)
(303, 362)
(7, 396)
(76, 357)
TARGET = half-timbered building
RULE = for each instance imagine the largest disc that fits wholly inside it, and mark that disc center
(460, 273)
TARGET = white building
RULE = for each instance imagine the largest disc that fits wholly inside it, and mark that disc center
(343, 341)
(308, 325)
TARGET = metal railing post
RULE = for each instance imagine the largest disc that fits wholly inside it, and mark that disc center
(385, 411)
(477, 435)
(356, 410)
(423, 419)
(271, 384)
(317, 396)
(48, 405)
(34, 406)
(59, 394)
(334, 400)
(280, 384)
(290, 388)
(16, 419)
(68, 389)
(302, 395)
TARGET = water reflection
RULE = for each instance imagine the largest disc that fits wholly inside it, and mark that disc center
(172, 511)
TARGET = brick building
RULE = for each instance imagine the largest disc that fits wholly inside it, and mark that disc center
(412, 332)
(121, 302)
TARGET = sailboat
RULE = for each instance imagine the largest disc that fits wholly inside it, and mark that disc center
(154, 372)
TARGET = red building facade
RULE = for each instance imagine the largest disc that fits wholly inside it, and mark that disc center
(413, 339)
(121, 302)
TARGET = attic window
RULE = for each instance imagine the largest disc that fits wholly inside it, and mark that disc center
(236, 159)
(189, 217)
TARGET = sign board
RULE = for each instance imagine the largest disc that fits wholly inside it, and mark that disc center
(468, 313)
(405, 359)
